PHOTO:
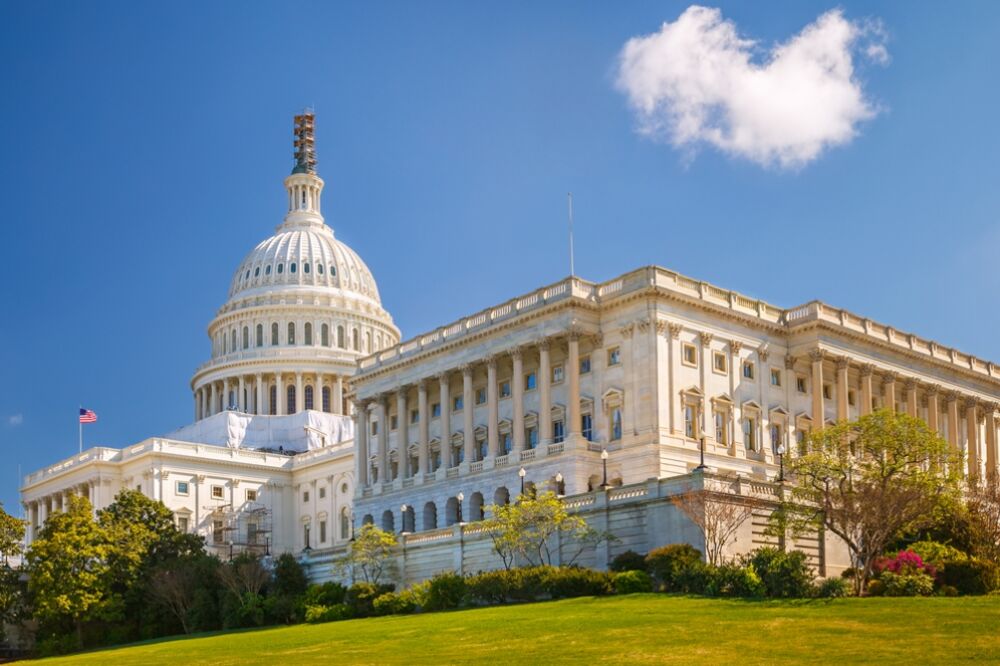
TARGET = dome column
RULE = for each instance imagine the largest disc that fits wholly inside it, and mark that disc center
(299, 395)
(338, 395)
(225, 394)
(215, 402)
(241, 403)
(318, 392)
(259, 396)
(279, 395)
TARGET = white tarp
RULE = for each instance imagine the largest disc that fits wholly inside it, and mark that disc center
(304, 431)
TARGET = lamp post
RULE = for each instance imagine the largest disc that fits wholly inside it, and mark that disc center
(230, 550)
(521, 473)
(402, 519)
(559, 483)
(701, 466)
(460, 496)
(604, 461)
(781, 463)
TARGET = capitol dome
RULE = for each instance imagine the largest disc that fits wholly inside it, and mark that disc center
(302, 309)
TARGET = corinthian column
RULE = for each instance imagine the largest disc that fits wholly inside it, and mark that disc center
(842, 389)
(544, 398)
(467, 422)
(573, 425)
(818, 410)
(423, 428)
(493, 407)
(972, 427)
(517, 390)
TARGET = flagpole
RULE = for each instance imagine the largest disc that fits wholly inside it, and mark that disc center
(79, 424)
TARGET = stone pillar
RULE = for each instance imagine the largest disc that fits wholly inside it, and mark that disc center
(972, 436)
(932, 410)
(952, 401)
(492, 407)
(467, 420)
(225, 394)
(240, 401)
(544, 398)
(705, 428)
(866, 389)
(912, 407)
(889, 390)
(402, 432)
(444, 395)
(361, 444)
(423, 430)
(991, 441)
(279, 393)
(383, 438)
(573, 425)
(672, 361)
(215, 401)
(843, 406)
(197, 405)
(258, 402)
(517, 395)
(338, 396)
(818, 409)
(299, 395)
(318, 392)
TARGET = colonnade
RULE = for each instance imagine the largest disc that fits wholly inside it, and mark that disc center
(270, 393)
(38, 510)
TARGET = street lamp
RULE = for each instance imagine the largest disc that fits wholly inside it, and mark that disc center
(559, 484)
(402, 518)
(604, 461)
(460, 496)
(701, 466)
(781, 462)
(521, 473)
(230, 550)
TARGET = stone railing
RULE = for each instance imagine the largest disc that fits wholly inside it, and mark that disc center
(95, 454)
(284, 352)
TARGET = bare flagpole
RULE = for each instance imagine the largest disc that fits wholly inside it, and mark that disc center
(569, 197)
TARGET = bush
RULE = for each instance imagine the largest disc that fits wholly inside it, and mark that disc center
(876, 588)
(325, 594)
(360, 598)
(490, 587)
(904, 563)
(906, 585)
(391, 603)
(784, 575)
(628, 561)
(445, 591)
(672, 565)
(318, 613)
(947, 591)
(630, 582)
(936, 554)
(733, 580)
(566, 582)
(971, 576)
(832, 588)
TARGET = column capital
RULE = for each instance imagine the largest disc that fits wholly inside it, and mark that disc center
(789, 362)
(735, 346)
(910, 384)
(491, 362)
(762, 352)
(444, 377)
(816, 355)
(422, 383)
(843, 363)
(466, 369)
(950, 397)
(675, 330)
(971, 403)
(661, 326)
(516, 352)
(627, 330)
(932, 390)
(543, 344)
(706, 337)
(889, 377)
(867, 369)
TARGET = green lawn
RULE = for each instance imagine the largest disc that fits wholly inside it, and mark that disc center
(636, 629)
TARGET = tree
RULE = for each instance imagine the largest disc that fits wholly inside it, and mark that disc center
(868, 481)
(717, 515)
(11, 536)
(527, 527)
(68, 574)
(173, 586)
(983, 504)
(245, 578)
(370, 553)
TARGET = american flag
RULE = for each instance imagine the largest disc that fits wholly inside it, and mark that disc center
(87, 416)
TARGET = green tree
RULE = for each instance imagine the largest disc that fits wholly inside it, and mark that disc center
(68, 569)
(526, 529)
(870, 480)
(11, 536)
(12, 597)
(370, 554)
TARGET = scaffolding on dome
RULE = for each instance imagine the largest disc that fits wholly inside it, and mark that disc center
(305, 142)
(246, 529)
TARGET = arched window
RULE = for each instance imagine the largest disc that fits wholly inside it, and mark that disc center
(291, 333)
(246, 338)
(260, 335)
(305, 267)
(319, 268)
(308, 334)
(309, 397)
(368, 520)
(340, 337)
(502, 496)
(232, 345)
(272, 400)
(326, 398)
(291, 267)
(281, 269)
(345, 524)
(408, 520)
(225, 344)
(256, 272)
(290, 405)
(333, 271)
(267, 269)
(476, 511)
(324, 335)
(368, 342)
(430, 516)
(453, 511)
(274, 333)
(356, 339)
(388, 521)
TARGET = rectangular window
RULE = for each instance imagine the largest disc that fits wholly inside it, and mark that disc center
(481, 396)
(505, 389)
(689, 354)
(531, 437)
(182, 488)
(616, 424)
(775, 437)
(322, 531)
(614, 356)
(322, 492)
(506, 443)
(251, 495)
(252, 534)
(305, 496)
(750, 433)
(827, 392)
(217, 532)
(850, 398)
(414, 416)
(720, 363)
(800, 384)
(218, 492)
(558, 431)
(182, 525)
(721, 431)
(530, 381)
(585, 365)
(748, 370)
(689, 422)
(436, 410)
(393, 422)
(374, 427)
(557, 374)
(587, 426)
(775, 377)
(457, 403)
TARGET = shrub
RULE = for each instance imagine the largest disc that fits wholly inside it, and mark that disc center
(784, 575)
(670, 565)
(445, 591)
(907, 584)
(490, 587)
(360, 598)
(936, 554)
(628, 561)
(318, 613)
(391, 603)
(418, 593)
(971, 576)
(876, 588)
(905, 563)
(566, 582)
(733, 580)
(947, 591)
(325, 594)
(832, 588)
(630, 582)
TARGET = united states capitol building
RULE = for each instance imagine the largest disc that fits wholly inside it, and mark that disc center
(312, 416)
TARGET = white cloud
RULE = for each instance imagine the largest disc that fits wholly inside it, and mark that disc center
(696, 81)
(15, 419)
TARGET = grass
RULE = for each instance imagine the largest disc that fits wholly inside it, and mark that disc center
(634, 629)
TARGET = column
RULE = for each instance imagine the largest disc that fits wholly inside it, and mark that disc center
(991, 441)
(972, 436)
(737, 447)
(318, 390)
(517, 394)
(952, 400)
(573, 425)
(383, 438)
(911, 398)
(215, 401)
(360, 445)
(225, 394)
(932, 409)
(444, 395)
(423, 429)
(843, 411)
(467, 423)
(402, 432)
(279, 393)
(240, 401)
(203, 393)
(818, 410)
(258, 401)
(492, 407)
(197, 406)
(866, 389)
(705, 428)
(675, 394)
(338, 395)
(889, 390)
(544, 398)
(300, 397)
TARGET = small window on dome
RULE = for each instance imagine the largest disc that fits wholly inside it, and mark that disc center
(305, 267)
(319, 268)
(256, 272)
(291, 267)
(333, 270)
(281, 268)
(267, 270)
(247, 276)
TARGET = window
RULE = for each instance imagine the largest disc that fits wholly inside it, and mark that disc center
(345, 524)
(827, 392)
(483, 449)
(218, 492)
(748, 370)
(480, 396)
(308, 334)
(326, 398)
(290, 397)
(182, 488)
(260, 335)
(324, 335)
(558, 431)
(319, 269)
(182, 524)
(587, 426)
(246, 337)
(722, 426)
(750, 433)
(322, 523)
(322, 492)
(800, 384)
(719, 362)
(850, 398)
(309, 401)
(557, 374)
(267, 270)
(251, 495)
(690, 422)
(775, 377)
(291, 333)
(616, 424)
(355, 339)
(217, 532)
(333, 270)
(340, 337)
(436, 410)
(458, 403)
(291, 267)
(281, 269)
(531, 437)
(273, 400)
(305, 496)
(530, 381)
(775, 437)
(505, 443)
(457, 455)
(305, 269)
(414, 416)
(256, 272)
(614, 356)
(585, 365)
(689, 354)
(393, 422)
(274, 334)
(374, 427)
(505, 389)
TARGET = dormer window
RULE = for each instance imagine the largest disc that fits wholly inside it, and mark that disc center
(256, 272)
(281, 269)
(333, 271)
(291, 267)
(267, 270)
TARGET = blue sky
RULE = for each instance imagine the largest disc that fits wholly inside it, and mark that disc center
(142, 149)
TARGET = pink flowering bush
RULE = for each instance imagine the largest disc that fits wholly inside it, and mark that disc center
(905, 563)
